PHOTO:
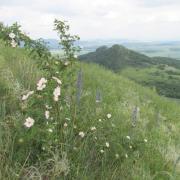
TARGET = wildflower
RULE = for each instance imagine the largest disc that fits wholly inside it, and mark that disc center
(50, 130)
(66, 63)
(41, 84)
(107, 144)
(102, 151)
(65, 124)
(93, 128)
(81, 134)
(13, 43)
(57, 80)
(48, 107)
(47, 114)
(68, 119)
(21, 140)
(109, 116)
(43, 148)
(113, 125)
(117, 156)
(75, 56)
(126, 155)
(100, 120)
(145, 140)
(130, 147)
(29, 122)
(128, 137)
(12, 35)
(57, 93)
(27, 95)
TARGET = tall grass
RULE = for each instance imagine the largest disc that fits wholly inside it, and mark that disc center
(140, 152)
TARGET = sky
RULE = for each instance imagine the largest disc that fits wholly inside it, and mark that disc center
(142, 20)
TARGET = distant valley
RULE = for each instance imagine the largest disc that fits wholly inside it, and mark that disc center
(159, 48)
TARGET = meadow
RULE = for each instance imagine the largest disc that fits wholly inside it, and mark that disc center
(70, 120)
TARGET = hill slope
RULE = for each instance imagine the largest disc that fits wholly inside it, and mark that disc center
(139, 140)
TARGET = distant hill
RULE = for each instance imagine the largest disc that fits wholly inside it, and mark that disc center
(160, 72)
(117, 57)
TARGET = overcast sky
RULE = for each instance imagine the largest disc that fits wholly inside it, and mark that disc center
(144, 20)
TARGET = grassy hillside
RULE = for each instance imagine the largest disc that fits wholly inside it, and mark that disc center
(166, 79)
(130, 132)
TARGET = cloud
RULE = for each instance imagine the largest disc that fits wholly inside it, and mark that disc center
(132, 19)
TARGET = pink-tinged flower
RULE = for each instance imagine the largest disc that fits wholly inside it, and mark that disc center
(12, 35)
(93, 128)
(57, 80)
(81, 134)
(13, 43)
(29, 122)
(47, 114)
(41, 84)
(57, 93)
(27, 95)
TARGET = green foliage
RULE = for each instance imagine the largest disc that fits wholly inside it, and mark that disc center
(128, 133)
(165, 79)
(15, 28)
(66, 39)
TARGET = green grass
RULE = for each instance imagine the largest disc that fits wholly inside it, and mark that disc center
(165, 79)
(158, 121)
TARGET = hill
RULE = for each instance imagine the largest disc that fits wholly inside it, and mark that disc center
(117, 57)
(129, 131)
(159, 72)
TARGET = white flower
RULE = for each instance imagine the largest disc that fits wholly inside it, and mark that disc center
(102, 151)
(65, 124)
(81, 134)
(145, 140)
(48, 107)
(75, 56)
(128, 137)
(47, 114)
(57, 80)
(50, 130)
(57, 93)
(117, 156)
(27, 95)
(66, 63)
(93, 128)
(29, 122)
(100, 120)
(130, 147)
(13, 43)
(12, 35)
(109, 116)
(126, 155)
(107, 144)
(41, 84)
